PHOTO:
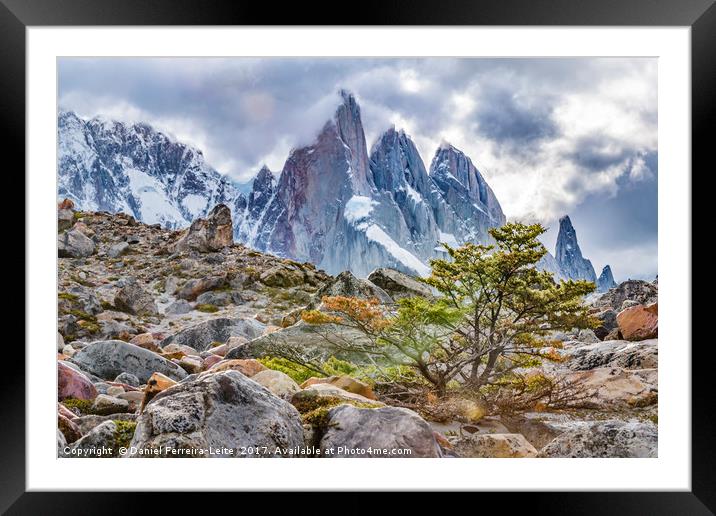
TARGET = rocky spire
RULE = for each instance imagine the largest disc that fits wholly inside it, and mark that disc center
(569, 256)
(606, 280)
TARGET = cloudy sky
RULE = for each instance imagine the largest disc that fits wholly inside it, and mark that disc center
(552, 136)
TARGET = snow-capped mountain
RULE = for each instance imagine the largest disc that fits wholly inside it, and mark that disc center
(112, 166)
(332, 204)
(338, 207)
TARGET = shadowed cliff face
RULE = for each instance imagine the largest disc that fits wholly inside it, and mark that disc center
(343, 210)
(569, 256)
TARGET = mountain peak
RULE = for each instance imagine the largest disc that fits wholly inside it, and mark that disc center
(606, 280)
(569, 255)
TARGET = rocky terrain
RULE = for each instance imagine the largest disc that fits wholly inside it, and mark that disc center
(162, 351)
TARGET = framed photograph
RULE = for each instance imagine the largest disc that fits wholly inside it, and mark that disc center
(443, 234)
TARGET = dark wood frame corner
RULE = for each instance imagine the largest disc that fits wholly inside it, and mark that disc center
(700, 15)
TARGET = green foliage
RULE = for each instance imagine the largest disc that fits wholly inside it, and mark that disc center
(299, 373)
(337, 367)
(124, 433)
(68, 296)
(494, 313)
(314, 409)
(208, 308)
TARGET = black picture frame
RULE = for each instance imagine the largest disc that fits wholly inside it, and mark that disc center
(700, 15)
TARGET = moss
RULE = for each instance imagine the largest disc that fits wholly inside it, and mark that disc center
(78, 215)
(206, 308)
(67, 296)
(216, 344)
(124, 433)
(654, 418)
(314, 410)
(106, 305)
(90, 326)
(297, 372)
(84, 407)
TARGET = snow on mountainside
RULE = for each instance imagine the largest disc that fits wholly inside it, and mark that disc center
(339, 207)
(112, 166)
(332, 204)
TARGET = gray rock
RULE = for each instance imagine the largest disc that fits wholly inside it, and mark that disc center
(588, 336)
(128, 379)
(104, 405)
(605, 439)
(60, 342)
(615, 353)
(108, 358)
(200, 336)
(210, 234)
(111, 329)
(91, 421)
(398, 284)
(83, 298)
(214, 298)
(277, 382)
(61, 443)
(483, 445)
(346, 284)
(628, 303)
(65, 219)
(219, 410)
(640, 291)
(99, 442)
(118, 250)
(74, 244)
(179, 307)
(134, 299)
(392, 428)
(192, 288)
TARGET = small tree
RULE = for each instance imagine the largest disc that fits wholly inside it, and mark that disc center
(491, 318)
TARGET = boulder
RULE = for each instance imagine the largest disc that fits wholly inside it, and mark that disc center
(605, 439)
(615, 353)
(69, 428)
(387, 431)
(222, 411)
(109, 358)
(179, 307)
(206, 235)
(610, 387)
(73, 384)
(146, 341)
(61, 444)
(284, 275)
(640, 291)
(79, 297)
(118, 250)
(343, 382)
(346, 284)
(202, 335)
(60, 342)
(277, 382)
(494, 446)
(191, 364)
(90, 421)
(128, 379)
(322, 394)
(132, 298)
(398, 284)
(74, 244)
(588, 336)
(639, 322)
(65, 219)
(101, 441)
(247, 367)
(214, 298)
(194, 287)
(105, 404)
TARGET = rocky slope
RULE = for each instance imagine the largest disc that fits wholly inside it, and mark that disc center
(161, 350)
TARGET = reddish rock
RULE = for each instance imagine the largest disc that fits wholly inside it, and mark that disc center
(156, 384)
(66, 204)
(211, 360)
(68, 428)
(73, 384)
(146, 341)
(639, 322)
(247, 367)
(64, 411)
